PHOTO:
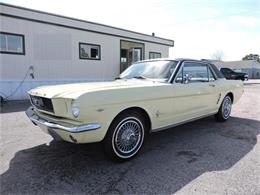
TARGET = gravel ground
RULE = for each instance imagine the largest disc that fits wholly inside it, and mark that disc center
(202, 157)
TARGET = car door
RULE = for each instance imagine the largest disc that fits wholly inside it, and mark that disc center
(193, 93)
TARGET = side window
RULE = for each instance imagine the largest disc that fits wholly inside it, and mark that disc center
(223, 70)
(211, 76)
(226, 70)
(196, 72)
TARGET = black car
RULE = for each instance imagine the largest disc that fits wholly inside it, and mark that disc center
(231, 74)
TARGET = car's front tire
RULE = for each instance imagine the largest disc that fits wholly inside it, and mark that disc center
(224, 109)
(125, 136)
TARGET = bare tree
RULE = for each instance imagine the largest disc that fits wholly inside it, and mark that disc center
(217, 55)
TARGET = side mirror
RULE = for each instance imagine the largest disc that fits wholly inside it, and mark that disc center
(186, 78)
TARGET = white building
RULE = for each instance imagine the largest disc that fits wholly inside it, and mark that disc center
(39, 48)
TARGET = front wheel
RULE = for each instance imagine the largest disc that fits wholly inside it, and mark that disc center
(224, 110)
(125, 136)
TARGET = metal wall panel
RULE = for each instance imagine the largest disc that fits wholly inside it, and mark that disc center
(53, 52)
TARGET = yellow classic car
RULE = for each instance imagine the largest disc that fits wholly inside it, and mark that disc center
(150, 95)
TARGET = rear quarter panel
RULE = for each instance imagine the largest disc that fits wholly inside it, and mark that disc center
(236, 87)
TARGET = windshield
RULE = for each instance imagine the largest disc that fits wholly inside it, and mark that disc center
(150, 70)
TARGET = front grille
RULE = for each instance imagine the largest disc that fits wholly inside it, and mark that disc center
(42, 103)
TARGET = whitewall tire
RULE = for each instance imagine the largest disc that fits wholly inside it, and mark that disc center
(224, 110)
(125, 136)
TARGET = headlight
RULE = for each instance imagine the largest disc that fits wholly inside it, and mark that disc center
(74, 109)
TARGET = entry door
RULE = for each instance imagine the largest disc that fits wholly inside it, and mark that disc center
(130, 52)
(136, 54)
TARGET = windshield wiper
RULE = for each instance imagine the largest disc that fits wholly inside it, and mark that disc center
(140, 77)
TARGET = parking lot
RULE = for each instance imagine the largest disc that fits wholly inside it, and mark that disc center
(202, 157)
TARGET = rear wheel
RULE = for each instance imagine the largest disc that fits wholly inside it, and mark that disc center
(224, 110)
(125, 136)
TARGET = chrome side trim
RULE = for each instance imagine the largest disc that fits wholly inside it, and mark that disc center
(73, 129)
(181, 123)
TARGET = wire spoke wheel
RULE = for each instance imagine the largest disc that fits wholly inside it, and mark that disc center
(128, 137)
(226, 107)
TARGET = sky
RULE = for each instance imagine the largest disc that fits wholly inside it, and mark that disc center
(199, 28)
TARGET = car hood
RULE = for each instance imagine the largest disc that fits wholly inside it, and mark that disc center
(77, 89)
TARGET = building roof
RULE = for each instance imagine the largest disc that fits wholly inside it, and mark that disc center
(237, 64)
(32, 15)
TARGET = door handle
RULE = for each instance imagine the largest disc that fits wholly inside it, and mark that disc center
(212, 85)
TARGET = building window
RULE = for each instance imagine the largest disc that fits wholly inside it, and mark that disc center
(153, 55)
(89, 51)
(12, 43)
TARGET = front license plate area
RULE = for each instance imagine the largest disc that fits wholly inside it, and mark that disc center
(43, 128)
(50, 131)
(54, 135)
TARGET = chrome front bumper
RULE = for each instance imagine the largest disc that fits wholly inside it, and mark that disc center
(46, 125)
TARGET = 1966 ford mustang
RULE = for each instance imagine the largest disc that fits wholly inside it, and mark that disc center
(149, 96)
